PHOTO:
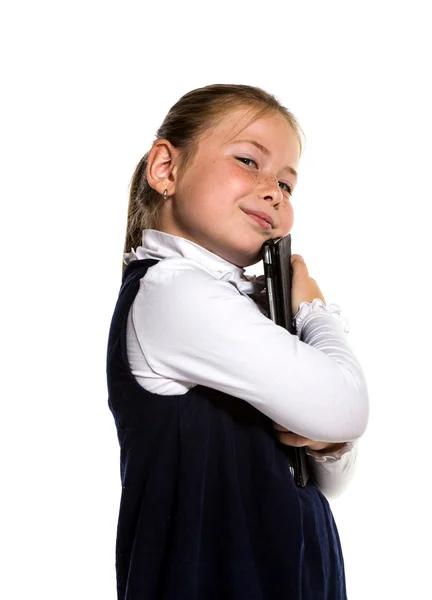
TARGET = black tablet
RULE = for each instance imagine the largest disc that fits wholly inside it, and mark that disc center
(278, 276)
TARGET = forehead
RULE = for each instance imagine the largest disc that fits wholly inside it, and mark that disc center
(271, 130)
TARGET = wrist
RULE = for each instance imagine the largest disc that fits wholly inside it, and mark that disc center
(331, 447)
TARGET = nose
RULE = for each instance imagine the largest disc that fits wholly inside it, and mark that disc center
(270, 190)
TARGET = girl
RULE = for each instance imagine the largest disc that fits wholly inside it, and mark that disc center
(203, 386)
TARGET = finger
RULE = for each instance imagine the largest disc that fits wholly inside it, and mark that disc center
(279, 427)
(292, 439)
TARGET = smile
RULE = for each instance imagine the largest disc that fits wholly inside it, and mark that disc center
(261, 219)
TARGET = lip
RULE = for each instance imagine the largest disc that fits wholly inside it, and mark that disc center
(261, 216)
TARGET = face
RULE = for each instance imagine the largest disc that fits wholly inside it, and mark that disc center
(236, 195)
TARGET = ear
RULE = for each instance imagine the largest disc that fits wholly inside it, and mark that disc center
(162, 166)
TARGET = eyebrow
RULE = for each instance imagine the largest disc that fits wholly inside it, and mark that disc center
(265, 151)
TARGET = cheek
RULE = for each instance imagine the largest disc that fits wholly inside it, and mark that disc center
(287, 218)
(217, 179)
(241, 177)
(212, 183)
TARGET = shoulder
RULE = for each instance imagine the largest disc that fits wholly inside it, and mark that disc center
(183, 274)
(170, 269)
(175, 284)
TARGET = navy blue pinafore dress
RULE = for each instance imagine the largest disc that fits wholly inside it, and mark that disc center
(209, 508)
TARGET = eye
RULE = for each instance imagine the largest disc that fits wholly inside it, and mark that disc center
(243, 158)
(288, 187)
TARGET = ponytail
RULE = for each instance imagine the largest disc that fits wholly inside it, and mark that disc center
(144, 204)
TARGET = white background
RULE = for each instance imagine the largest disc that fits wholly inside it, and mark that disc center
(85, 87)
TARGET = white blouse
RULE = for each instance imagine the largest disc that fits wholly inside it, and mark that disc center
(194, 323)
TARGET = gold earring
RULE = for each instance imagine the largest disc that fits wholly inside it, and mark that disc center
(165, 196)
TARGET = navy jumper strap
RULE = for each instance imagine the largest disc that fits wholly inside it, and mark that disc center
(209, 509)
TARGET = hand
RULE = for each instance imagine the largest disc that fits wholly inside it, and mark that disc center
(303, 287)
(288, 438)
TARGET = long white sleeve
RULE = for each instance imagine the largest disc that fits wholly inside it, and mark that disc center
(195, 328)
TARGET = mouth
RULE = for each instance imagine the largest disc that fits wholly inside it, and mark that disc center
(261, 218)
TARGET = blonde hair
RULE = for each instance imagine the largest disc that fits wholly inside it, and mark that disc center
(186, 122)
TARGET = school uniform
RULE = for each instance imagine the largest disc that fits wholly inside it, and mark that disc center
(209, 506)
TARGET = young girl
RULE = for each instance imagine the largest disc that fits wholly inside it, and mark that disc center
(205, 389)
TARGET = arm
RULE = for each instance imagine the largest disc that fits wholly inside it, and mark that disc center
(195, 328)
(332, 466)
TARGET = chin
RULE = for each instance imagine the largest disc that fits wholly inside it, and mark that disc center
(247, 259)
(253, 261)
(243, 252)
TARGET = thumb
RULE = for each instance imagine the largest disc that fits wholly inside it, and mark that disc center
(299, 266)
(297, 258)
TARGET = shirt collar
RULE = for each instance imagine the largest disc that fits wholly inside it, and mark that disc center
(159, 245)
